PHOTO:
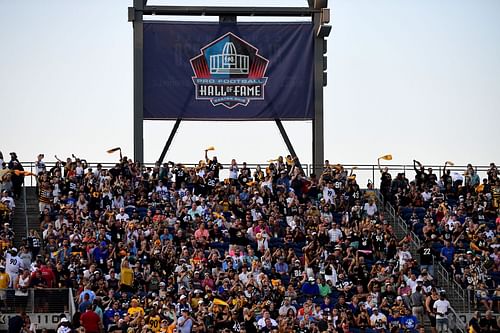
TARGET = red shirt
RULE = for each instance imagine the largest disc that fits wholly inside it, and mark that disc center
(48, 276)
(90, 321)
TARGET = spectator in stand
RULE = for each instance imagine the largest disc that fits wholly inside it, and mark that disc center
(4, 284)
(90, 321)
(441, 308)
(488, 323)
(17, 180)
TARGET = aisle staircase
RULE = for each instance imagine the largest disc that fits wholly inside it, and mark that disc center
(31, 212)
(458, 300)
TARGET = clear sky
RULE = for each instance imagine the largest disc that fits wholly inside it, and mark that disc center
(418, 79)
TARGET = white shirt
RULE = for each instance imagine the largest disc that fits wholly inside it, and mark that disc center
(46, 233)
(412, 284)
(243, 277)
(162, 191)
(335, 235)
(13, 264)
(441, 307)
(380, 318)
(370, 209)
(233, 172)
(63, 329)
(79, 171)
(9, 202)
(329, 195)
(122, 217)
(39, 167)
(262, 322)
(404, 256)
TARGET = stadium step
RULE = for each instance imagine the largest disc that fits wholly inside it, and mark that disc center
(458, 303)
(31, 211)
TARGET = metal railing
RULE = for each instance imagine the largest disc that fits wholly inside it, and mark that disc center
(454, 290)
(455, 323)
(364, 172)
(45, 300)
(43, 306)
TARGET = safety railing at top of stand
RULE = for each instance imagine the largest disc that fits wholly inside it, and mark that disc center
(414, 246)
(364, 172)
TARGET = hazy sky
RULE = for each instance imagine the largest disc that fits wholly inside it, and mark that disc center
(418, 79)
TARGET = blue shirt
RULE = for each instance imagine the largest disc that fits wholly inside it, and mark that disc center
(448, 252)
(409, 322)
(310, 289)
(183, 325)
(281, 267)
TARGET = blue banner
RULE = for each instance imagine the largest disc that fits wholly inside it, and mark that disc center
(243, 71)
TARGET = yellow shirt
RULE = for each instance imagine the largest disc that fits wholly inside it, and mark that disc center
(127, 276)
(133, 311)
(171, 327)
(4, 244)
(154, 322)
(4, 280)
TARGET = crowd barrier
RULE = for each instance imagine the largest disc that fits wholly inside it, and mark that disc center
(43, 306)
(364, 172)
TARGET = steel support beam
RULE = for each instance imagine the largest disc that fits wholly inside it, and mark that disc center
(231, 11)
(318, 145)
(287, 141)
(138, 80)
(169, 140)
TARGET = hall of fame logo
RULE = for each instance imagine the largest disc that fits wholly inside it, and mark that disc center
(229, 71)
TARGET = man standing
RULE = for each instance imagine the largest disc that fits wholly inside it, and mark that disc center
(488, 323)
(426, 257)
(378, 320)
(17, 181)
(417, 304)
(90, 320)
(16, 323)
(441, 308)
(13, 264)
(4, 284)
(185, 322)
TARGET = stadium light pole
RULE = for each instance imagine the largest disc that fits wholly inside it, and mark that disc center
(321, 32)
(135, 15)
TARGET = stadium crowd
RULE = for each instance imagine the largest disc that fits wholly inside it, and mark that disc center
(457, 219)
(174, 248)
